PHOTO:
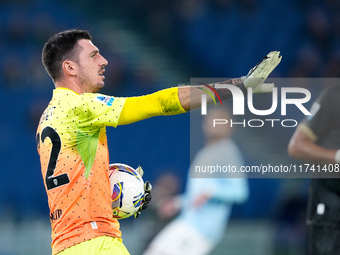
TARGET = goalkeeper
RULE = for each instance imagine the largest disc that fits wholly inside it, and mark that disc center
(72, 144)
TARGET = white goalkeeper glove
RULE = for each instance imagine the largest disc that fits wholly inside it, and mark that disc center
(147, 193)
(259, 73)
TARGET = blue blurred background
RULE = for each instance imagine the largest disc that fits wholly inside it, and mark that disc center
(152, 45)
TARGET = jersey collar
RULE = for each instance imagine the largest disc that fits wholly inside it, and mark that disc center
(62, 90)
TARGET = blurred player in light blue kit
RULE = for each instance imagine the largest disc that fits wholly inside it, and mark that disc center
(207, 202)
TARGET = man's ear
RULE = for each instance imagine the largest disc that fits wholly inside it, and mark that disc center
(70, 68)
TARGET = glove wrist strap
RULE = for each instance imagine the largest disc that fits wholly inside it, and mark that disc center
(225, 93)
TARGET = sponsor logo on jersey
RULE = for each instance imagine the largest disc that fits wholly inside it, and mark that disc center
(105, 100)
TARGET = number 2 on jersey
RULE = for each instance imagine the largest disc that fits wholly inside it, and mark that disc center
(59, 180)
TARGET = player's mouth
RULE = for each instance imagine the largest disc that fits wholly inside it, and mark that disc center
(101, 73)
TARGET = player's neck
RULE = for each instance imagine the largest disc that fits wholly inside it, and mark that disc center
(70, 84)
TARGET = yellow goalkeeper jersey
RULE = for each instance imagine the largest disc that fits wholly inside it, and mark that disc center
(72, 144)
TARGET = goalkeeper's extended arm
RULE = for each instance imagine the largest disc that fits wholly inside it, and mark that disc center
(179, 100)
(163, 102)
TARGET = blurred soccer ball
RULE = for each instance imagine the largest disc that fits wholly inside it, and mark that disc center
(127, 190)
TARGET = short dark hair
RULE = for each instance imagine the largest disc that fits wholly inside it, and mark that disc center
(59, 48)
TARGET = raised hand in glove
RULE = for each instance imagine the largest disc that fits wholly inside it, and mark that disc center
(254, 79)
(259, 73)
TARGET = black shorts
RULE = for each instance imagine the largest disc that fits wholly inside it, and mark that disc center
(323, 240)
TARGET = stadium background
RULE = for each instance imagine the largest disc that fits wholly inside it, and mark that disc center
(152, 45)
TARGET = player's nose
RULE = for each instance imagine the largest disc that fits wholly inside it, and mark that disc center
(104, 61)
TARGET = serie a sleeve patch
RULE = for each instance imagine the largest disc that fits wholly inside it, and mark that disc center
(105, 100)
